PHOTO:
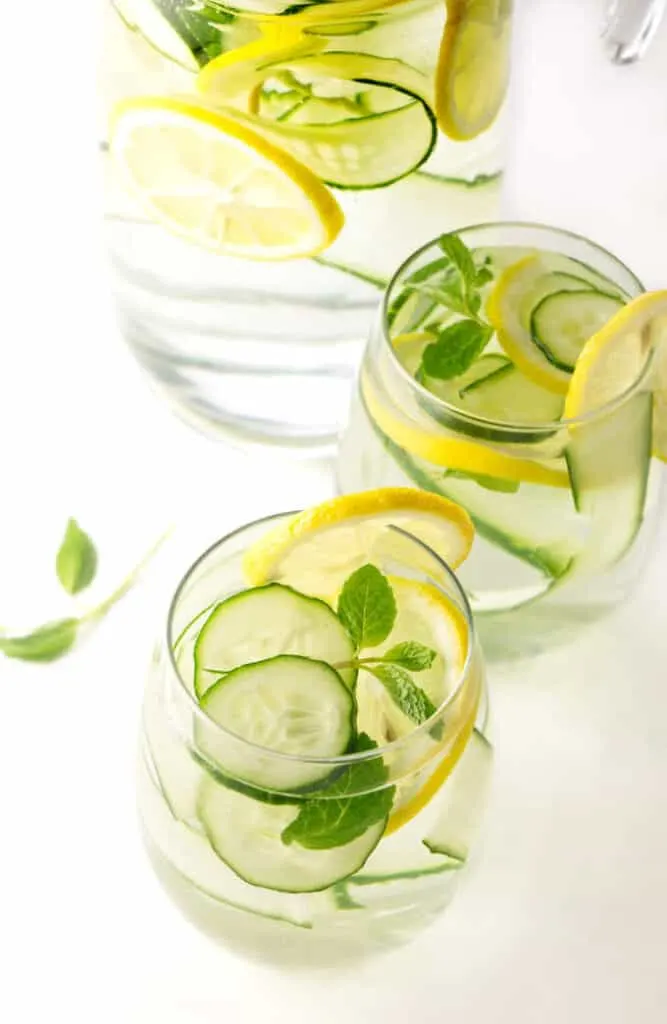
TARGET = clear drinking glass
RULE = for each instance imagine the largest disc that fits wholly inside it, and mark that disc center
(439, 773)
(339, 97)
(564, 509)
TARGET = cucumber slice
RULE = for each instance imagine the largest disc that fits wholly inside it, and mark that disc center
(502, 394)
(187, 857)
(263, 622)
(173, 29)
(462, 801)
(578, 270)
(167, 752)
(608, 460)
(362, 152)
(482, 370)
(288, 705)
(540, 530)
(562, 322)
(246, 835)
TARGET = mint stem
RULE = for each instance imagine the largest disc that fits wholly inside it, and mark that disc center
(377, 282)
(358, 662)
(435, 293)
(100, 610)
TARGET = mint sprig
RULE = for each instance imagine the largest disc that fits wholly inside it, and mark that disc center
(367, 609)
(52, 640)
(342, 816)
(457, 287)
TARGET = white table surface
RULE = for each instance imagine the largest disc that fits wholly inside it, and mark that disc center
(564, 919)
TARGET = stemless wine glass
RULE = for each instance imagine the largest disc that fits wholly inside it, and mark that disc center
(268, 163)
(214, 839)
(564, 508)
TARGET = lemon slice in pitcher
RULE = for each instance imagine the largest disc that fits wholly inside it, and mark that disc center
(473, 66)
(218, 183)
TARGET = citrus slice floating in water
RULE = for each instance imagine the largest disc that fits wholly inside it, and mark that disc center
(473, 66)
(218, 183)
(615, 358)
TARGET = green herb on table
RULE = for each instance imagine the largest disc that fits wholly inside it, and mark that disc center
(52, 640)
(76, 561)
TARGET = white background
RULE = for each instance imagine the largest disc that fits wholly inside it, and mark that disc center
(564, 919)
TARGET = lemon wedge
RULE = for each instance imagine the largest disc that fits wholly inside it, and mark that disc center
(218, 183)
(473, 66)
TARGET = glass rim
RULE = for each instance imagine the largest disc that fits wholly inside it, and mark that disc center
(341, 760)
(500, 426)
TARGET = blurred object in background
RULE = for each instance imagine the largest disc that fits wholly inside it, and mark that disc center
(629, 27)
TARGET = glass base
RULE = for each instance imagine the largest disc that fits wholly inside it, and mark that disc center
(337, 943)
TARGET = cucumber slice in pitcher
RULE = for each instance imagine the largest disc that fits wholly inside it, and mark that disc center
(174, 29)
(286, 705)
(462, 801)
(392, 134)
(563, 321)
(246, 835)
(263, 622)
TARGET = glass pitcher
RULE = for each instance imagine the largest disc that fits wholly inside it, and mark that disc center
(267, 166)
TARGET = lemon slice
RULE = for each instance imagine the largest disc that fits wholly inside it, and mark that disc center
(434, 445)
(473, 66)
(423, 614)
(236, 73)
(218, 183)
(614, 358)
(427, 615)
(318, 549)
(509, 306)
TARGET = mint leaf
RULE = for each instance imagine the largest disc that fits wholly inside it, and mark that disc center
(462, 259)
(407, 696)
(411, 655)
(366, 606)
(322, 824)
(76, 561)
(46, 643)
(491, 483)
(455, 350)
(484, 275)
